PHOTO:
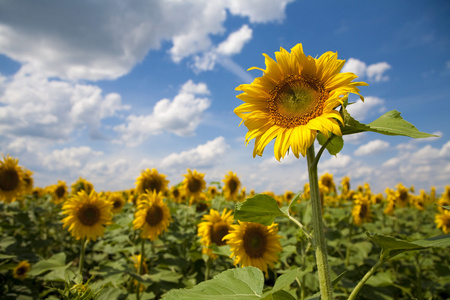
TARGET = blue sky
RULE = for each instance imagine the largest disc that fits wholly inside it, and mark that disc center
(105, 89)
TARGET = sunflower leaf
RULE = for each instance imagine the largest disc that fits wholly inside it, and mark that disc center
(261, 209)
(335, 144)
(390, 123)
(242, 283)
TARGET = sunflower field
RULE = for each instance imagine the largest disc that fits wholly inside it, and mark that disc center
(199, 240)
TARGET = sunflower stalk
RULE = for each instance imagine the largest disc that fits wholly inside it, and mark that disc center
(141, 264)
(326, 290)
(84, 243)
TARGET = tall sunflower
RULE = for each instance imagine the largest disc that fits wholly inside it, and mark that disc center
(193, 183)
(232, 185)
(152, 216)
(59, 192)
(361, 211)
(254, 244)
(151, 180)
(213, 228)
(11, 179)
(327, 183)
(87, 215)
(21, 270)
(81, 185)
(403, 196)
(296, 97)
(117, 202)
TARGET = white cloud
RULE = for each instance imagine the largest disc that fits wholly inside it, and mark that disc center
(374, 72)
(69, 158)
(105, 40)
(36, 106)
(235, 41)
(372, 147)
(360, 110)
(180, 116)
(204, 155)
(336, 162)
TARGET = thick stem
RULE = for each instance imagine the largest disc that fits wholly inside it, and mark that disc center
(83, 250)
(326, 289)
(360, 284)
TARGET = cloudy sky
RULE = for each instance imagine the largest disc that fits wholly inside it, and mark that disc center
(105, 89)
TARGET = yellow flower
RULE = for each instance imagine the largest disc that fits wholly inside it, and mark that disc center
(28, 181)
(391, 199)
(213, 228)
(327, 182)
(361, 211)
(176, 193)
(254, 244)
(194, 183)
(288, 196)
(232, 185)
(21, 270)
(212, 191)
(117, 202)
(152, 181)
(11, 179)
(87, 215)
(403, 196)
(152, 215)
(442, 221)
(296, 97)
(306, 192)
(81, 185)
(345, 183)
(59, 192)
(137, 261)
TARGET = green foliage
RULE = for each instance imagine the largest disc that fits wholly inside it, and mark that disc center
(261, 209)
(334, 143)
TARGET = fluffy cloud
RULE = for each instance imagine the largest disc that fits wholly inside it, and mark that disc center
(99, 40)
(374, 72)
(69, 158)
(360, 110)
(372, 147)
(204, 155)
(180, 116)
(34, 105)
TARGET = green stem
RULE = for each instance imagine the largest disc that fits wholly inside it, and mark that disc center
(84, 243)
(302, 228)
(208, 267)
(141, 264)
(360, 284)
(347, 253)
(326, 290)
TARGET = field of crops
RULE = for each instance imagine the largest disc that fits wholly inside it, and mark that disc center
(183, 245)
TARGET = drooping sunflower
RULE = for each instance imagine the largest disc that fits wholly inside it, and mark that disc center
(59, 192)
(213, 228)
(87, 215)
(152, 216)
(117, 202)
(232, 185)
(193, 183)
(296, 97)
(361, 211)
(442, 221)
(81, 185)
(21, 270)
(254, 244)
(11, 179)
(151, 180)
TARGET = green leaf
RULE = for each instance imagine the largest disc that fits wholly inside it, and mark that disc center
(285, 280)
(444, 207)
(242, 283)
(282, 295)
(56, 261)
(391, 123)
(261, 209)
(334, 146)
(437, 241)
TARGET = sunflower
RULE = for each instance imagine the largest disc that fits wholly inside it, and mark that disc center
(152, 215)
(193, 183)
(253, 244)
(28, 181)
(328, 183)
(442, 221)
(87, 215)
(59, 192)
(21, 270)
(213, 228)
(445, 199)
(137, 261)
(296, 97)
(11, 179)
(288, 196)
(361, 211)
(403, 196)
(176, 192)
(306, 192)
(345, 183)
(232, 185)
(212, 191)
(152, 181)
(391, 202)
(117, 202)
(81, 185)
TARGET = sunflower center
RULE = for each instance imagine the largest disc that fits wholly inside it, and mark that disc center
(297, 100)
(152, 184)
(194, 185)
(117, 204)
(9, 180)
(154, 215)
(363, 211)
(176, 193)
(254, 242)
(60, 191)
(21, 271)
(232, 185)
(89, 215)
(218, 231)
